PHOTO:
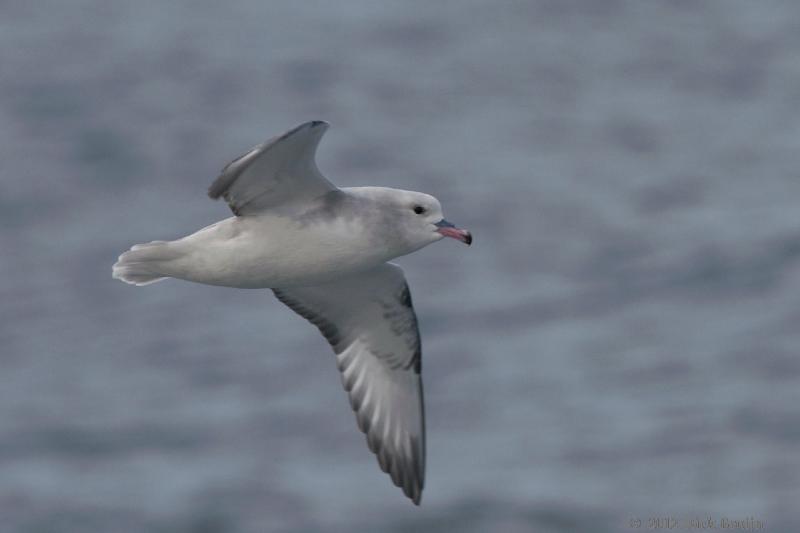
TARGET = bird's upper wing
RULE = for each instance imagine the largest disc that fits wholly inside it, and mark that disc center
(370, 323)
(278, 171)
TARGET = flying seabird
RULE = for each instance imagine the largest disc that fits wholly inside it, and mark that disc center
(324, 252)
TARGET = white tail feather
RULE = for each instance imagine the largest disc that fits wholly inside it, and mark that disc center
(142, 264)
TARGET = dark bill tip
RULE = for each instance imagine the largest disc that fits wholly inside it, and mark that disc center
(449, 230)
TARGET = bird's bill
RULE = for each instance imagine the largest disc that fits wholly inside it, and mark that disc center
(449, 230)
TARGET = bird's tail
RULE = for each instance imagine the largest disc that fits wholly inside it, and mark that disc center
(144, 264)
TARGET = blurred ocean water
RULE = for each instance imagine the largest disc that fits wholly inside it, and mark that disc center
(621, 342)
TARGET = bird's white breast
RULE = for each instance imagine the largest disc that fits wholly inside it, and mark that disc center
(276, 251)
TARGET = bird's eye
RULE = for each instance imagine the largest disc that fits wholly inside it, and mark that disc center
(418, 209)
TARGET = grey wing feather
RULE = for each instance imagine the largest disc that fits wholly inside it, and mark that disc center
(370, 323)
(278, 171)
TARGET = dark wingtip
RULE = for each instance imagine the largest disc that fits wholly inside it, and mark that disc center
(468, 239)
(218, 187)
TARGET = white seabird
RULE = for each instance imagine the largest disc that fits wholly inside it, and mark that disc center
(323, 251)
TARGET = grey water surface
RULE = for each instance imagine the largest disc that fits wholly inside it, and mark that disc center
(620, 342)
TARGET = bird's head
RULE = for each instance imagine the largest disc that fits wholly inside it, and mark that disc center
(415, 218)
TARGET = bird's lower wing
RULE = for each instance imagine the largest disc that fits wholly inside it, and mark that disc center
(369, 321)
